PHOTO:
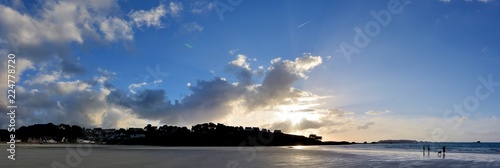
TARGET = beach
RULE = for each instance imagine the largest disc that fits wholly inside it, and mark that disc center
(77, 155)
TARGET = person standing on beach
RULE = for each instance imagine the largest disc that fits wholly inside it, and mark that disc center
(444, 150)
(428, 149)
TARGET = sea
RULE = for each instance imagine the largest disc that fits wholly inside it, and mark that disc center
(354, 155)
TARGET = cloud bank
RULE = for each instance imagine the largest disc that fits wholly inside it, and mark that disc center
(43, 40)
(214, 99)
(54, 90)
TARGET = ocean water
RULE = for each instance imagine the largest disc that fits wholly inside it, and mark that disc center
(357, 155)
(451, 147)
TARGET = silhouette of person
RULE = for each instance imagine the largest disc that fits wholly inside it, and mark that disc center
(423, 149)
(444, 150)
(428, 149)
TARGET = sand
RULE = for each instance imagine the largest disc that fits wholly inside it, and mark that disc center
(145, 156)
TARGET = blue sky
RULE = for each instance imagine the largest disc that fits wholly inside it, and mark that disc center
(277, 65)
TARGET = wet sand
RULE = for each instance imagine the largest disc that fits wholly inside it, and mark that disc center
(73, 155)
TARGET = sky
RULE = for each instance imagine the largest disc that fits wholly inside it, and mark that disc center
(345, 70)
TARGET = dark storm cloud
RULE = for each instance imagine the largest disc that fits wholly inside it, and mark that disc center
(44, 106)
(215, 99)
(208, 100)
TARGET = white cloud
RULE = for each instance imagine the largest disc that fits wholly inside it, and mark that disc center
(307, 62)
(157, 81)
(175, 8)
(44, 78)
(241, 61)
(259, 71)
(366, 125)
(106, 72)
(64, 88)
(201, 6)
(104, 75)
(72, 101)
(77, 19)
(116, 29)
(29, 34)
(23, 29)
(299, 66)
(136, 85)
(24, 64)
(377, 112)
(485, 1)
(151, 18)
(232, 52)
(191, 27)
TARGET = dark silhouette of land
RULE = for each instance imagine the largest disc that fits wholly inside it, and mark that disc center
(207, 134)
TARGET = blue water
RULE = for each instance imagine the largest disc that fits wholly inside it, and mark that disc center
(451, 147)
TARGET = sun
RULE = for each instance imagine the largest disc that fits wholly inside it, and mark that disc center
(293, 113)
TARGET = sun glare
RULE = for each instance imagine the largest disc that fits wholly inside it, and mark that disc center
(298, 147)
(292, 113)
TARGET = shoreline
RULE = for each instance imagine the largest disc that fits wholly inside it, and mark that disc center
(32, 155)
(96, 144)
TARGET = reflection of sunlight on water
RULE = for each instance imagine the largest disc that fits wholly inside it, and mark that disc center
(298, 147)
(298, 159)
(409, 154)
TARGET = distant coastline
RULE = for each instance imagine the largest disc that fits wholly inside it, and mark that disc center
(206, 134)
(398, 141)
